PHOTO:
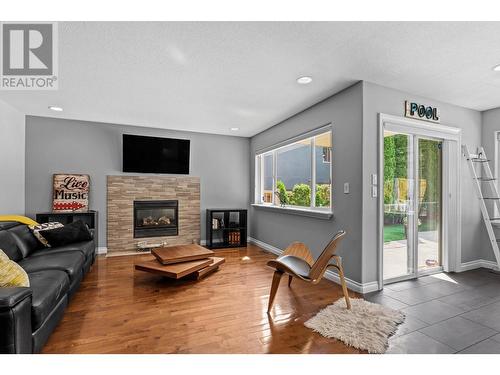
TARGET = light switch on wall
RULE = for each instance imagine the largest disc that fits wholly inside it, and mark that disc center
(374, 192)
(374, 179)
(346, 187)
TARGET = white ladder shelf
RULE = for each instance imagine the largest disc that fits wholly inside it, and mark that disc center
(485, 177)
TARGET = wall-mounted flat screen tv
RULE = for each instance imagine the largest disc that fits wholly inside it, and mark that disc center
(143, 154)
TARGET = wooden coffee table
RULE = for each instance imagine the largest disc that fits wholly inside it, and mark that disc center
(181, 253)
(178, 261)
(212, 267)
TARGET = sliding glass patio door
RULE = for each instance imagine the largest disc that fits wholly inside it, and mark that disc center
(412, 205)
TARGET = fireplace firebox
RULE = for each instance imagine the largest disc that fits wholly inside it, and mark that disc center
(156, 218)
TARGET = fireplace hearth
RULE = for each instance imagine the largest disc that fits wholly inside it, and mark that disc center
(156, 218)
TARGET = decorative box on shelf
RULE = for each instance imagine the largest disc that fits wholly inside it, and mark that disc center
(226, 228)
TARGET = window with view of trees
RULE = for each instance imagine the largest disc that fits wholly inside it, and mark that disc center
(297, 174)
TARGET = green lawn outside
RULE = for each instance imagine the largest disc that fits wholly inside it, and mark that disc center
(393, 233)
(396, 232)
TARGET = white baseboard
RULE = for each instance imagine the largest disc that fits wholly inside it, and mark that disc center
(330, 275)
(101, 250)
(265, 246)
(362, 288)
(480, 263)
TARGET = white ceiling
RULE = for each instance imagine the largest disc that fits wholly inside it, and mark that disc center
(209, 77)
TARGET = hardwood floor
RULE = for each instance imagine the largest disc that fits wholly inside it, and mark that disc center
(120, 310)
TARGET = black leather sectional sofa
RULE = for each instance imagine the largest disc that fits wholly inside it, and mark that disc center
(29, 315)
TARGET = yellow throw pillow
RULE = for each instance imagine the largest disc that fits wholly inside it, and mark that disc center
(11, 273)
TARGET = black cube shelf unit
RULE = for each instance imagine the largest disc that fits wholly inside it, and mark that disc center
(226, 228)
(90, 218)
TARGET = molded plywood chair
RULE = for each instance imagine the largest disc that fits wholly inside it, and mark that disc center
(297, 261)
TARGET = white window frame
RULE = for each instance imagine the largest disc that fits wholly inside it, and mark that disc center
(273, 150)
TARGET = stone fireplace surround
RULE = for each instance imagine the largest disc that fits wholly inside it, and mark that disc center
(123, 190)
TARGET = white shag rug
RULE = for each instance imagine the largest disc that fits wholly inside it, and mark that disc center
(366, 326)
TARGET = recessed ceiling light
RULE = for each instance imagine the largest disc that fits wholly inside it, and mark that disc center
(496, 68)
(55, 108)
(304, 80)
(235, 129)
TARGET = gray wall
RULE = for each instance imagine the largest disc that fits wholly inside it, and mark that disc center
(12, 154)
(491, 124)
(68, 146)
(344, 111)
(378, 99)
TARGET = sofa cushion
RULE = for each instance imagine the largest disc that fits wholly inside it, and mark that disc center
(48, 287)
(25, 240)
(70, 262)
(4, 225)
(9, 246)
(87, 248)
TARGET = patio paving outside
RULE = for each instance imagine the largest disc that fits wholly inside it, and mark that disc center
(395, 254)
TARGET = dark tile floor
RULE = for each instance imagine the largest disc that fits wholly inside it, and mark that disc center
(446, 313)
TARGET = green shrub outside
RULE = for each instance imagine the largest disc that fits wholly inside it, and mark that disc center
(301, 195)
(322, 195)
(282, 193)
